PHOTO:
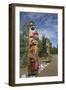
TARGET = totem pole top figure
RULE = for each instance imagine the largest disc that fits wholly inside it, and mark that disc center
(33, 34)
(30, 25)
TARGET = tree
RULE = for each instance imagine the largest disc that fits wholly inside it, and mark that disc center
(42, 46)
(39, 48)
(24, 45)
(54, 50)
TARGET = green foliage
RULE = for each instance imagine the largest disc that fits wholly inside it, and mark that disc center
(23, 46)
(54, 50)
(42, 46)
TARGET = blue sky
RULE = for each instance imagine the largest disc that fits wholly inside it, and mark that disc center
(47, 24)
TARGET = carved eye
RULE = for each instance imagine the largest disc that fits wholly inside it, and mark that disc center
(32, 28)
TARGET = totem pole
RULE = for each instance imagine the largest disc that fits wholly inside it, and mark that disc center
(33, 65)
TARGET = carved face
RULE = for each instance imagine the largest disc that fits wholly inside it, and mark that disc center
(33, 34)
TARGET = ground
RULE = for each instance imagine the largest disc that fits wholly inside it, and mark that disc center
(51, 68)
(47, 68)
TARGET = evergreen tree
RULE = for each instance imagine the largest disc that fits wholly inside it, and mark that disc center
(24, 45)
(42, 46)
